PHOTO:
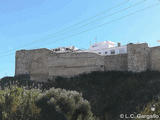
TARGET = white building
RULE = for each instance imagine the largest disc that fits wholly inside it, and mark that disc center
(107, 48)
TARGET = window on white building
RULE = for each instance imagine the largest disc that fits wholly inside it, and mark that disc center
(106, 52)
(112, 52)
(121, 51)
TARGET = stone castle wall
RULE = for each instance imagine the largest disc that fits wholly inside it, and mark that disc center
(43, 64)
(155, 58)
(116, 62)
(32, 62)
(71, 64)
(138, 57)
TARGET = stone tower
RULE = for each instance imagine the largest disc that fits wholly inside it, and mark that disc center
(138, 57)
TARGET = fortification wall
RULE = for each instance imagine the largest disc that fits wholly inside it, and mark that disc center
(155, 58)
(70, 64)
(138, 57)
(116, 62)
(43, 64)
(23, 59)
(33, 62)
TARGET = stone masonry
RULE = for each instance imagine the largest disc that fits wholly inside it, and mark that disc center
(44, 64)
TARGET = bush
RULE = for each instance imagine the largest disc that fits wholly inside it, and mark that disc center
(113, 93)
(109, 93)
(17, 103)
(70, 104)
(151, 111)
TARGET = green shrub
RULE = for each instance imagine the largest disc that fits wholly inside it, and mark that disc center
(109, 93)
(151, 111)
(18, 104)
(113, 93)
(67, 103)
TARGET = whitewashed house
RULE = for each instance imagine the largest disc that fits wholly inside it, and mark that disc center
(108, 48)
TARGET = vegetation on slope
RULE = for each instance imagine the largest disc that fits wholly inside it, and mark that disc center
(109, 93)
(114, 93)
(151, 111)
(55, 104)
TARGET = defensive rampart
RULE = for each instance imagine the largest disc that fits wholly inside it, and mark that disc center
(44, 64)
(155, 58)
(116, 62)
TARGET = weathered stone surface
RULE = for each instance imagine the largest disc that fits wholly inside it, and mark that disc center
(43, 64)
(33, 62)
(70, 64)
(116, 62)
(155, 58)
(138, 57)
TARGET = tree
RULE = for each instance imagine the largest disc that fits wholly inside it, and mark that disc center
(69, 104)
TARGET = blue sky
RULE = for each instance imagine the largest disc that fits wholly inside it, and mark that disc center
(31, 24)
